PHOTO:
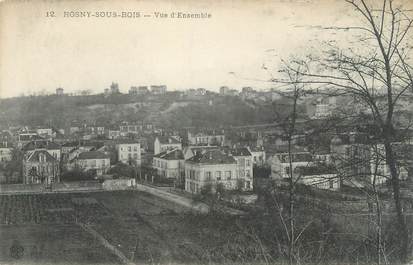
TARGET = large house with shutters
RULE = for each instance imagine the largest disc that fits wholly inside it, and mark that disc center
(170, 164)
(39, 166)
(210, 168)
(206, 138)
(280, 162)
(94, 161)
(244, 160)
(52, 148)
(129, 151)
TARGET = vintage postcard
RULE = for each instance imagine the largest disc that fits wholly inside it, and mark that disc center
(206, 132)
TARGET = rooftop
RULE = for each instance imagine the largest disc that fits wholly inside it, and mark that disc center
(212, 157)
(92, 155)
(243, 151)
(126, 141)
(167, 140)
(34, 157)
(314, 170)
(175, 154)
(41, 145)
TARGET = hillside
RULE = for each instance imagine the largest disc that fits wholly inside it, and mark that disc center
(167, 111)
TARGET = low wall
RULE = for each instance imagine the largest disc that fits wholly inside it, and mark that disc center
(56, 187)
(16, 188)
(77, 186)
(118, 184)
(182, 201)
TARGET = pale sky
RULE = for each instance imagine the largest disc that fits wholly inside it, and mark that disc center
(40, 53)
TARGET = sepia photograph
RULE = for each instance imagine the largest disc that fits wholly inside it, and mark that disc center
(206, 132)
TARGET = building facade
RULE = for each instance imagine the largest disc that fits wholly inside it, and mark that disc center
(280, 164)
(202, 138)
(244, 160)
(170, 164)
(164, 143)
(40, 167)
(211, 168)
(129, 152)
(94, 161)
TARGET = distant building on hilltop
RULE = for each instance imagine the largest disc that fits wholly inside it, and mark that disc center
(223, 90)
(138, 90)
(114, 88)
(247, 89)
(158, 90)
(142, 90)
(133, 90)
(59, 91)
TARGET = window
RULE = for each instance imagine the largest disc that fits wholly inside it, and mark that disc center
(135, 156)
(228, 175)
(103, 162)
(208, 176)
(248, 162)
(218, 175)
(93, 163)
(287, 170)
(129, 148)
(135, 148)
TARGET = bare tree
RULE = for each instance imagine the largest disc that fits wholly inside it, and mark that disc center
(377, 73)
(288, 123)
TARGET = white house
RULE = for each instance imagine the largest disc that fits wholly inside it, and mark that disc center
(319, 176)
(170, 164)
(129, 151)
(280, 163)
(92, 161)
(244, 160)
(210, 168)
(5, 152)
(206, 138)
